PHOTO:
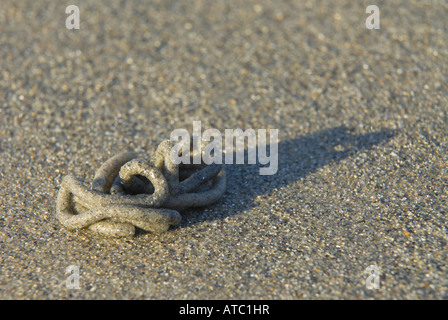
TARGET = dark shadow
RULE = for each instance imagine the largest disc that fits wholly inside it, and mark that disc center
(297, 158)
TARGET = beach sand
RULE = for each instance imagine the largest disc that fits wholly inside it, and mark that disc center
(363, 146)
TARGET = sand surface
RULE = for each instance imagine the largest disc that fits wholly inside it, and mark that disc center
(363, 150)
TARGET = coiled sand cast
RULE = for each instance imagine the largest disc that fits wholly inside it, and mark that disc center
(129, 192)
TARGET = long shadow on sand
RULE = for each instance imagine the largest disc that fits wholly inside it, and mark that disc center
(297, 158)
